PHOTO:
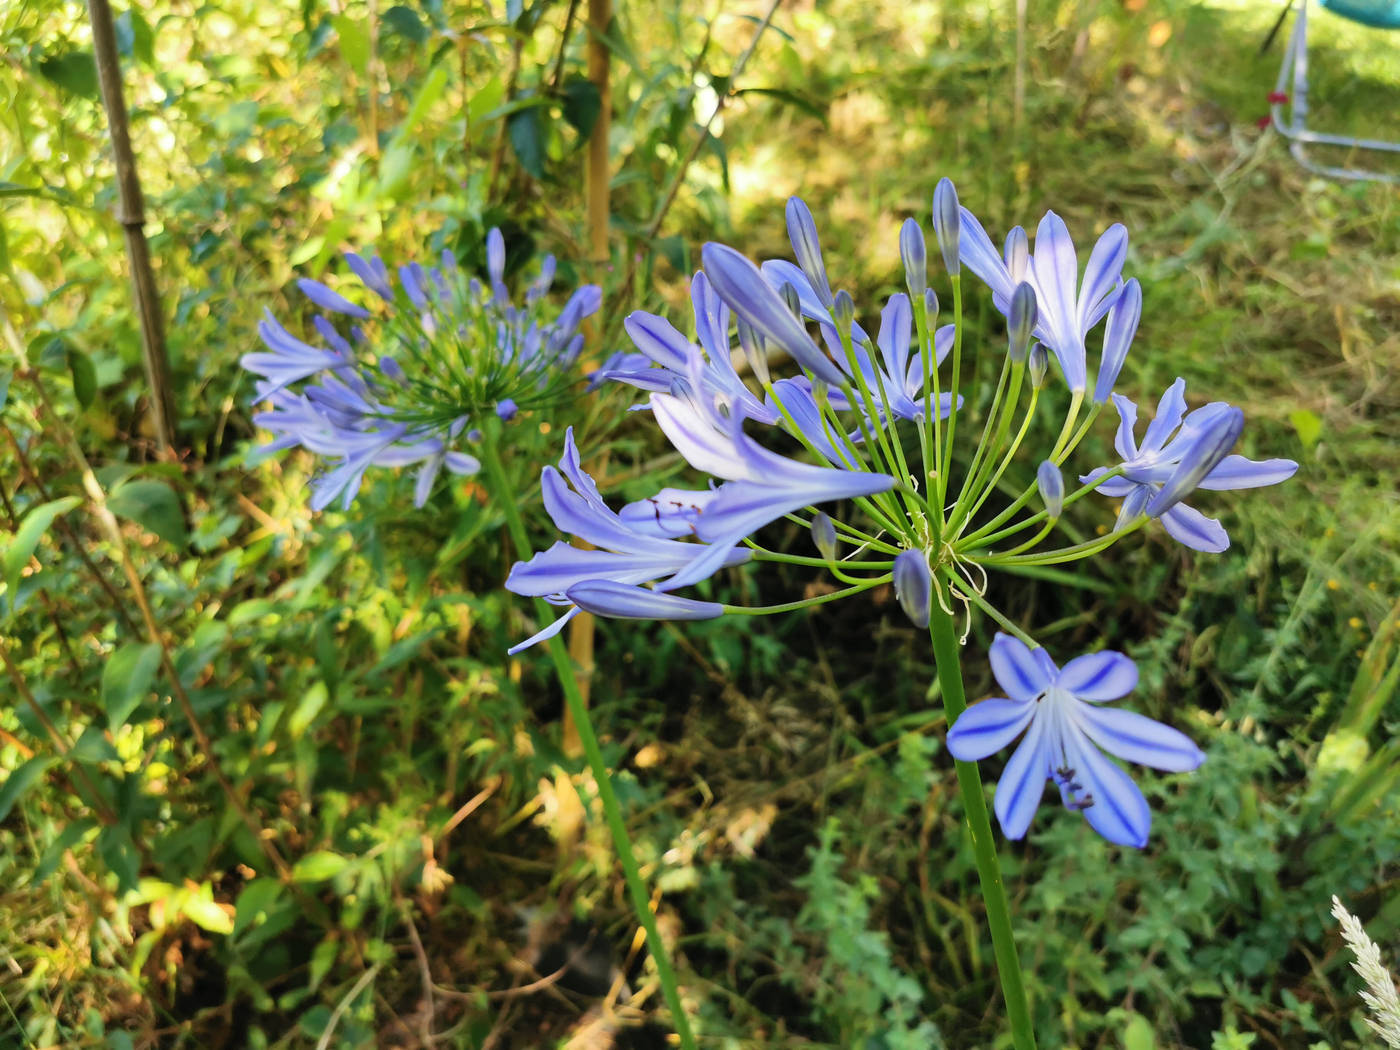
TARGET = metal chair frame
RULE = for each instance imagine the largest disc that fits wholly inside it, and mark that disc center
(1295, 129)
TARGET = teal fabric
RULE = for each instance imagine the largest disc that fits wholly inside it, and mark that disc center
(1383, 14)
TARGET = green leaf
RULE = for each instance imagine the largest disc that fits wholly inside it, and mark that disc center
(354, 42)
(323, 956)
(256, 903)
(75, 73)
(319, 867)
(1308, 425)
(92, 748)
(31, 529)
(806, 105)
(582, 104)
(526, 130)
(307, 709)
(206, 914)
(84, 375)
(1137, 1034)
(404, 21)
(127, 679)
(21, 780)
(118, 852)
(152, 505)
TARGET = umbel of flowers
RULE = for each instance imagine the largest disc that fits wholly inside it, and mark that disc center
(848, 404)
(876, 411)
(410, 378)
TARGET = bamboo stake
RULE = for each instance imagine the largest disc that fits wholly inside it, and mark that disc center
(599, 176)
(131, 215)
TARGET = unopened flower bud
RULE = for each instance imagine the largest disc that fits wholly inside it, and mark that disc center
(913, 252)
(802, 231)
(947, 223)
(1039, 364)
(913, 585)
(1052, 488)
(1017, 253)
(1020, 322)
(844, 310)
(824, 535)
(931, 306)
(754, 352)
(792, 299)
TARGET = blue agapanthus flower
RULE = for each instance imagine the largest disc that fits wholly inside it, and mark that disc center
(408, 382)
(1069, 305)
(1181, 452)
(1067, 730)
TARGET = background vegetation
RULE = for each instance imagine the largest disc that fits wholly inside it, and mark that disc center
(321, 808)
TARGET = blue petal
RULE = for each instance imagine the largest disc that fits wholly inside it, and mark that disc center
(1191, 528)
(741, 285)
(668, 514)
(975, 249)
(1016, 669)
(639, 603)
(1114, 488)
(1023, 781)
(658, 339)
(802, 232)
(1237, 472)
(559, 568)
(1124, 441)
(1137, 738)
(711, 320)
(987, 727)
(1056, 269)
(1098, 676)
(1101, 275)
(326, 299)
(1119, 812)
(896, 322)
(543, 635)
(1170, 409)
(1118, 335)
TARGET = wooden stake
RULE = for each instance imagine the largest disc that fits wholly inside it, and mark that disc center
(131, 215)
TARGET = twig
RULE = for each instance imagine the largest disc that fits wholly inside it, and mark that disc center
(563, 47)
(665, 206)
(334, 1020)
(425, 971)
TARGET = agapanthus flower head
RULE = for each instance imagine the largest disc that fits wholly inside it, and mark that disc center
(1181, 452)
(1067, 730)
(872, 421)
(405, 381)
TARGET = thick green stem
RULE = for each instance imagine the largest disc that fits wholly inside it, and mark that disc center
(504, 497)
(943, 632)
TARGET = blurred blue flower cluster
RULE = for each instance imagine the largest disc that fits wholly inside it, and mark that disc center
(405, 384)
